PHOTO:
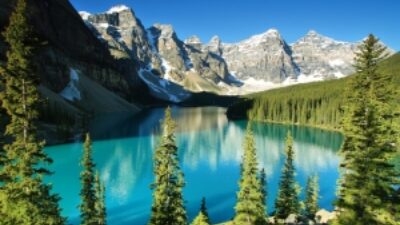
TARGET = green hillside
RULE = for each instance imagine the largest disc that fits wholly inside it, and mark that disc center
(392, 66)
(316, 104)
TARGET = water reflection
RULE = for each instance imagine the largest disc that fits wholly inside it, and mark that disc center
(210, 149)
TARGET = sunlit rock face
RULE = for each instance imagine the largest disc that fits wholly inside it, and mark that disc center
(159, 53)
(123, 32)
(260, 62)
(171, 52)
(69, 45)
(320, 57)
(206, 62)
(262, 57)
(215, 45)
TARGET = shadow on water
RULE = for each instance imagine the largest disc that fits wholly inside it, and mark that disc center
(210, 151)
(148, 122)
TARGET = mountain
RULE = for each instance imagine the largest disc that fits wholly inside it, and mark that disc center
(268, 60)
(79, 77)
(127, 63)
(317, 104)
(264, 57)
(320, 57)
(73, 63)
(174, 69)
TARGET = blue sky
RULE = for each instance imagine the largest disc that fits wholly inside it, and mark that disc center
(235, 20)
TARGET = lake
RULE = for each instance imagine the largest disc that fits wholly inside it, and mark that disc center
(210, 151)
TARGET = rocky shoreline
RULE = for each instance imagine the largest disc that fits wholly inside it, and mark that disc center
(322, 217)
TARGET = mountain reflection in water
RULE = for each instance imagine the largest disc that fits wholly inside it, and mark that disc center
(210, 151)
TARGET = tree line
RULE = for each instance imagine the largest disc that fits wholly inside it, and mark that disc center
(365, 107)
(318, 104)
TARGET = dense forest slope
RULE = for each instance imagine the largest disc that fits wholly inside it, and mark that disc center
(316, 104)
(69, 45)
(78, 75)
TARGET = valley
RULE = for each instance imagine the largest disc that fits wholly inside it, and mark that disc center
(149, 112)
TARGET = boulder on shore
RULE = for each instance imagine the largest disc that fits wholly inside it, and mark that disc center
(323, 216)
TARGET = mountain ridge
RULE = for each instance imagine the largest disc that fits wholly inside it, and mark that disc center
(262, 61)
(328, 97)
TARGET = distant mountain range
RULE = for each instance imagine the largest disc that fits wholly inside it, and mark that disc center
(173, 68)
(106, 62)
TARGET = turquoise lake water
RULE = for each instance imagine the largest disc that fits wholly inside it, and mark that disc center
(210, 150)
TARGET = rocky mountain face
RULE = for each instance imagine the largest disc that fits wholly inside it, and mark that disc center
(170, 67)
(320, 57)
(173, 69)
(267, 58)
(114, 55)
(264, 57)
(73, 63)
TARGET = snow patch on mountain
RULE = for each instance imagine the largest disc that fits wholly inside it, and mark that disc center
(162, 88)
(167, 68)
(339, 74)
(171, 67)
(71, 92)
(260, 83)
(117, 9)
(152, 40)
(336, 62)
(303, 78)
(103, 25)
(193, 40)
(255, 40)
(85, 15)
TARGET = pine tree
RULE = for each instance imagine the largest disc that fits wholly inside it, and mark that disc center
(168, 205)
(202, 218)
(263, 185)
(311, 201)
(203, 209)
(100, 206)
(3, 156)
(287, 201)
(250, 206)
(24, 198)
(367, 185)
(2, 151)
(88, 191)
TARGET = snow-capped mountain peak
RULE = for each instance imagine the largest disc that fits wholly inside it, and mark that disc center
(215, 39)
(272, 32)
(320, 57)
(85, 15)
(313, 37)
(263, 37)
(312, 33)
(193, 40)
(167, 31)
(264, 56)
(118, 8)
(259, 62)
